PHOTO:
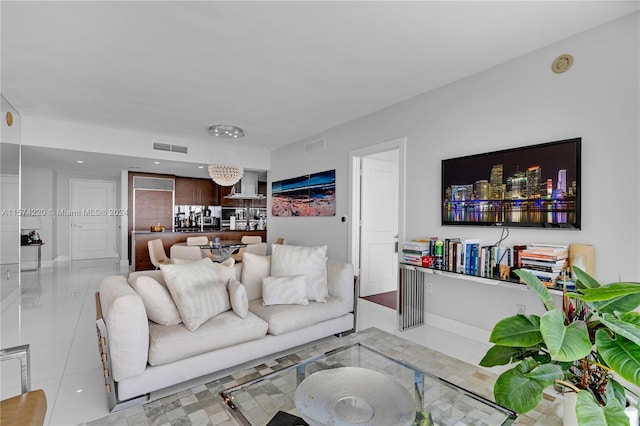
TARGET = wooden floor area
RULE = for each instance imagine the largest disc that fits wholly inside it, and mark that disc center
(388, 299)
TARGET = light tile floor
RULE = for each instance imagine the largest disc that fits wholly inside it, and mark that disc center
(56, 315)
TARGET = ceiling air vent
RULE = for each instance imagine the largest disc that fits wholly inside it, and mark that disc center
(314, 145)
(180, 149)
(162, 146)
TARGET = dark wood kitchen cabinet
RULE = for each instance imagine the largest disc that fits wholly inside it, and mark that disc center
(190, 191)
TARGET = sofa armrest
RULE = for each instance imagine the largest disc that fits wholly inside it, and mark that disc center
(127, 326)
(340, 281)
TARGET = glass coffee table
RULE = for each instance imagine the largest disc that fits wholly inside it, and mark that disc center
(358, 394)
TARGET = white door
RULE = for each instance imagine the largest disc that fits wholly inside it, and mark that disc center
(379, 229)
(93, 229)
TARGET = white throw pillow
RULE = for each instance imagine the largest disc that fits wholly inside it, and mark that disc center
(311, 262)
(238, 298)
(157, 301)
(289, 290)
(199, 289)
(255, 268)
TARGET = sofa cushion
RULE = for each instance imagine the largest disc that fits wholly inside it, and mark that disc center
(255, 268)
(156, 274)
(284, 290)
(297, 260)
(199, 290)
(168, 343)
(238, 298)
(286, 318)
(157, 301)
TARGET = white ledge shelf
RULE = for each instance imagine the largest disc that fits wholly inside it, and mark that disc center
(482, 280)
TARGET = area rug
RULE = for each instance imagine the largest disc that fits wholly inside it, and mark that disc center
(202, 405)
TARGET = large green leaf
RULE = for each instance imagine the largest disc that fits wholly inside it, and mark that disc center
(584, 280)
(590, 413)
(501, 355)
(517, 331)
(622, 304)
(608, 292)
(622, 355)
(537, 287)
(625, 303)
(565, 343)
(520, 388)
(625, 324)
(617, 391)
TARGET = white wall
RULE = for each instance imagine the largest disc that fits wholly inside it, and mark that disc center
(519, 103)
(50, 133)
(37, 195)
(48, 189)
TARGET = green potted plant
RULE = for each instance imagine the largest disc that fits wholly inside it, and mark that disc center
(585, 347)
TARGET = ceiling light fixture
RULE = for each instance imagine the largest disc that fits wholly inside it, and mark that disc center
(226, 131)
(226, 169)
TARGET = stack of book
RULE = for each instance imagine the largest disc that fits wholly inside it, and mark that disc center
(416, 253)
(546, 261)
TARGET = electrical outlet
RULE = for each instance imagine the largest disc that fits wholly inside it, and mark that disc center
(521, 309)
(429, 287)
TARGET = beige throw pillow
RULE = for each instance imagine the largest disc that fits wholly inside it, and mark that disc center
(287, 260)
(284, 290)
(157, 301)
(199, 289)
(255, 268)
(238, 298)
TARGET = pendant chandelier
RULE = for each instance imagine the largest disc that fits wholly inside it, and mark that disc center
(226, 169)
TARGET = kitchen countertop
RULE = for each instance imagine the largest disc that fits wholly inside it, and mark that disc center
(196, 232)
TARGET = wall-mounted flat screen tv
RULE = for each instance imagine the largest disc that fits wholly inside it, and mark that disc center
(531, 186)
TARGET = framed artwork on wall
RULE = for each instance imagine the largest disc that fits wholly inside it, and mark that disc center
(309, 195)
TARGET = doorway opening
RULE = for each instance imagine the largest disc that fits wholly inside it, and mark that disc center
(378, 199)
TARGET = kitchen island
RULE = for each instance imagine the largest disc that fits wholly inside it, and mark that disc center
(140, 252)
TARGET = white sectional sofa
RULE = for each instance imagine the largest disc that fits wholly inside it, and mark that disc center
(144, 349)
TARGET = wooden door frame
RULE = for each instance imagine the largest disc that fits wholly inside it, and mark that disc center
(355, 156)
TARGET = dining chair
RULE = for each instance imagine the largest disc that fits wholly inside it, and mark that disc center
(197, 241)
(248, 240)
(157, 255)
(185, 252)
(29, 408)
(251, 239)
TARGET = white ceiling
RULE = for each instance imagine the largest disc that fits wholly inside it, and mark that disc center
(283, 71)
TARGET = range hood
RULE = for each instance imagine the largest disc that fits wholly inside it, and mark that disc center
(247, 188)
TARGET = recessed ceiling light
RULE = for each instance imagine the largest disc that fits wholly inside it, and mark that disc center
(79, 161)
(156, 162)
(201, 167)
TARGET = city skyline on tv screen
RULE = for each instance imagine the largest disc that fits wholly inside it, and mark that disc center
(537, 185)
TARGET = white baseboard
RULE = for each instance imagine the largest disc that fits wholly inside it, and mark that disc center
(62, 259)
(469, 331)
